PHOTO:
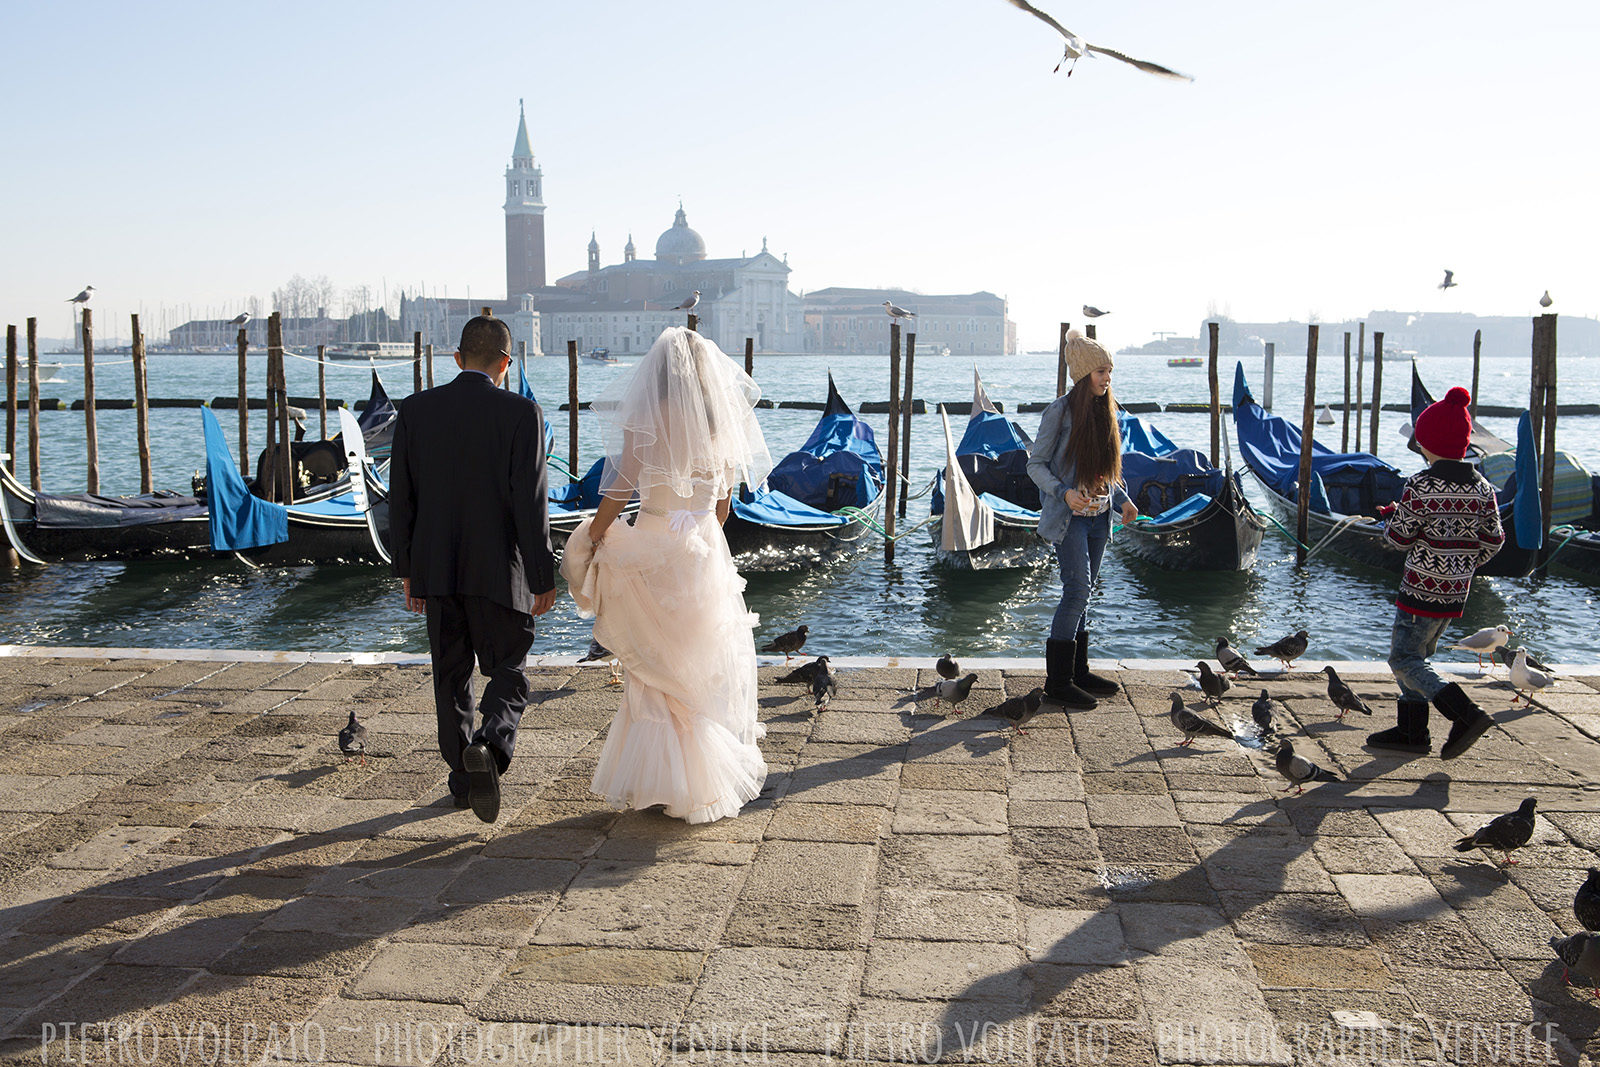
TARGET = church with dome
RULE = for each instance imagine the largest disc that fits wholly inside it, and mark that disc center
(623, 306)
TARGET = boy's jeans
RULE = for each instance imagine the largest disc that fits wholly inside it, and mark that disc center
(1411, 645)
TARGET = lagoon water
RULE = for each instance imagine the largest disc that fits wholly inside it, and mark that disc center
(857, 606)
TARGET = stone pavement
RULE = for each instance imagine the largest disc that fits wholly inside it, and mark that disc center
(192, 873)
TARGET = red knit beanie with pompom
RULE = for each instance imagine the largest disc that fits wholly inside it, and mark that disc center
(1445, 428)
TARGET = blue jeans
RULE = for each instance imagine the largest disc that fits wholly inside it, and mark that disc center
(1411, 644)
(1079, 553)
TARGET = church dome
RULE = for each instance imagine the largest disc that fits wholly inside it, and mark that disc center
(680, 244)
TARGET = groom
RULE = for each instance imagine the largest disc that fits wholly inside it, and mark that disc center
(470, 537)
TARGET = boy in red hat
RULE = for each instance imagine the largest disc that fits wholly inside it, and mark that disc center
(1448, 521)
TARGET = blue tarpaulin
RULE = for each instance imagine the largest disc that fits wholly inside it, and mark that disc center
(838, 465)
(772, 508)
(1137, 437)
(581, 494)
(1158, 483)
(993, 454)
(527, 390)
(1526, 511)
(1178, 512)
(238, 520)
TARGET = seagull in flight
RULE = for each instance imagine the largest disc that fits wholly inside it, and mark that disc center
(83, 297)
(1077, 47)
(897, 312)
(239, 319)
(688, 305)
(1449, 280)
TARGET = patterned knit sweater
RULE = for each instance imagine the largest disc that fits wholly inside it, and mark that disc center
(1448, 520)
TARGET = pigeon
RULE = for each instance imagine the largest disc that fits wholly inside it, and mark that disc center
(1213, 685)
(954, 690)
(1077, 47)
(897, 312)
(1586, 904)
(1191, 725)
(1092, 312)
(1524, 677)
(1344, 698)
(1545, 301)
(239, 319)
(1449, 280)
(1504, 832)
(689, 302)
(1286, 649)
(803, 674)
(598, 652)
(788, 643)
(1019, 710)
(824, 686)
(947, 667)
(353, 739)
(1261, 713)
(83, 297)
(1297, 770)
(1485, 640)
(1231, 661)
(1580, 954)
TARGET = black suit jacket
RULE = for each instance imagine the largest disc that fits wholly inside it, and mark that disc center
(467, 494)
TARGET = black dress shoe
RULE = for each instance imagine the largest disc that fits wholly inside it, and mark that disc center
(483, 781)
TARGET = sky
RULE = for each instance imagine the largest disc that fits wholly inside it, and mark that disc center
(1327, 160)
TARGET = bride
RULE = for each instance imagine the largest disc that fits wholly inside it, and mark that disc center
(681, 432)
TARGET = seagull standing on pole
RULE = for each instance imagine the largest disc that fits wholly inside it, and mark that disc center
(1077, 47)
(83, 297)
(688, 305)
(1092, 312)
(897, 312)
(239, 319)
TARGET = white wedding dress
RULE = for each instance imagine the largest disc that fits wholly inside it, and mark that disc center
(669, 604)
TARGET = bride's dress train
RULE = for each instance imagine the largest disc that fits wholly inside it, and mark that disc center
(669, 604)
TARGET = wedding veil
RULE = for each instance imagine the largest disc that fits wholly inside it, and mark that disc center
(684, 417)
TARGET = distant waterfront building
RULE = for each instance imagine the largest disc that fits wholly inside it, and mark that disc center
(1406, 332)
(847, 321)
(306, 332)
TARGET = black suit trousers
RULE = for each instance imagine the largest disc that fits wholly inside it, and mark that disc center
(461, 630)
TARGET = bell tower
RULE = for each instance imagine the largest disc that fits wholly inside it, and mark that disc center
(524, 209)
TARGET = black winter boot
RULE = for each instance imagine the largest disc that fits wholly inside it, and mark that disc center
(1467, 720)
(1410, 732)
(1092, 684)
(1058, 687)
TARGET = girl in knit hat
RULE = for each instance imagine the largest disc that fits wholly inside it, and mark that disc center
(1448, 522)
(1076, 461)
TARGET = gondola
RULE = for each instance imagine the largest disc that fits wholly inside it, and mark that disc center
(1348, 488)
(816, 503)
(346, 522)
(322, 463)
(1574, 536)
(1193, 516)
(984, 514)
(62, 527)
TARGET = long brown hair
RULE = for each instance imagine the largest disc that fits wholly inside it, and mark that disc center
(1095, 442)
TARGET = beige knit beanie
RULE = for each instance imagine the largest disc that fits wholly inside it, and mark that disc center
(1084, 355)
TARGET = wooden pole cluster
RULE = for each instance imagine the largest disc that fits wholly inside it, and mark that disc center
(1544, 358)
(893, 454)
(11, 398)
(1216, 396)
(91, 432)
(416, 362)
(572, 408)
(1344, 437)
(1377, 390)
(141, 407)
(33, 404)
(1477, 353)
(1061, 360)
(244, 404)
(322, 390)
(1361, 360)
(905, 425)
(750, 356)
(1308, 426)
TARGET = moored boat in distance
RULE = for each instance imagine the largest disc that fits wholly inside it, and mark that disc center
(371, 350)
(601, 355)
(1184, 361)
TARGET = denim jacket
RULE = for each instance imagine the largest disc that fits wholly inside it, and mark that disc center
(1054, 472)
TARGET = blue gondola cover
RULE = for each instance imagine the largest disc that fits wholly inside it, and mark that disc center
(839, 464)
(527, 390)
(1137, 437)
(238, 520)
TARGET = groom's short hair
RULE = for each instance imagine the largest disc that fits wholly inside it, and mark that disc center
(485, 340)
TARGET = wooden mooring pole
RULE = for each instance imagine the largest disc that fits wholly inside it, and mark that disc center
(416, 361)
(905, 425)
(750, 356)
(278, 386)
(141, 407)
(1361, 360)
(91, 432)
(694, 322)
(1089, 331)
(322, 389)
(1545, 356)
(1344, 437)
(572, 409)
(1536, 385)
(1377, 391)
(33, 404)
(1216, 396)
(244, 405)
(11, 398)
(893, 455)
(428, 355)
(1308, 427)
(1477, 354)
(1061, 360)
(1269, 374)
